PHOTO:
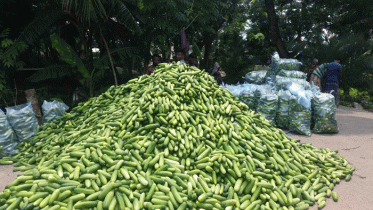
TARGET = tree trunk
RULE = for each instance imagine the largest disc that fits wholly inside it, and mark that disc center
(90, 52)
(168, 54)
(147, 56)
(280, 46)
(83, 42)
(132, 68)
(208, 46)
(111, 61)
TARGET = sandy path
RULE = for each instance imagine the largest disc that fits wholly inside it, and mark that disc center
(7, 175)
(354, 141)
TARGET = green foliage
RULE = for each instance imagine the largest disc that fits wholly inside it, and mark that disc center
(121, 53)
(6, 43)
(233, 56)
(100, 65)
(68, 55)
(2, 84)
(121, 12)
(8, 60)
(40, 26)
(9, 50)
(51, 72)
(364, 98)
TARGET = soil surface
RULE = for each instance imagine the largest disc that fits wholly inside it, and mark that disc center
(354, 142)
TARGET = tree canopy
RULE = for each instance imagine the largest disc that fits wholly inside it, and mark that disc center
(238, 33)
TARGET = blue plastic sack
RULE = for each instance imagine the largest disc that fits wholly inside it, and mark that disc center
(23, 120)
(8, 139)
(52, 110)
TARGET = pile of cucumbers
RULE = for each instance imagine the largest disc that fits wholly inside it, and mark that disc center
(170, 140)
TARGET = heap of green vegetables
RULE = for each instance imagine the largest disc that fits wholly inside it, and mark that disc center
(171, 140)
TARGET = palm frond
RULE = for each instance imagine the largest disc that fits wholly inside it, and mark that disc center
(123, 53)
(41, 25)
(51, 72)
(100, 7)
(5, 33)
(124, 16)
(86, 10)
(69, 55)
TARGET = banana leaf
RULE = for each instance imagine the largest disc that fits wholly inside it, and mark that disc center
(51, 72)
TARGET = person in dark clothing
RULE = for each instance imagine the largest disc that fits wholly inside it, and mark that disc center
(156, 60)
(180, 56)
(192, 60)
(333, 78)
(312, 68)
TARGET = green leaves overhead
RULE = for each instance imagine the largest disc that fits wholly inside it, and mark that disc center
(140, 4)
(88, 10)
(10, 50)
(123, 15)
(68, 55)
(123, 53)
(41, 25)
(51, 72)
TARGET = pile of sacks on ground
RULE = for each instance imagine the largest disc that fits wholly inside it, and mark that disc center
(20, 123)
(284, 97)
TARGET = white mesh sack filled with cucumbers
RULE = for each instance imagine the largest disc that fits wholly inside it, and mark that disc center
(171, 140)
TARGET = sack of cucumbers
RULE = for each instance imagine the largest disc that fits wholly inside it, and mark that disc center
(23, 120)
(8, 139)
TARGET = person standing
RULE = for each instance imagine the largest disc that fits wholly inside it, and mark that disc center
(217, 72)
(333, 78)
(317, 74)
(180, 56)
(192, 60)
(312, 68)
(156, 60)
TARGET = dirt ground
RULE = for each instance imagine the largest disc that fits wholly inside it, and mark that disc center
(354, 142)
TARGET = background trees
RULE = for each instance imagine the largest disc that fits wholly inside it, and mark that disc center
(238, 33)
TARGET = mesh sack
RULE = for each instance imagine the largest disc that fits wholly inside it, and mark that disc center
(300, 110)
(235, 89)
(284, 83)
(267, 104)
(255, 77)
(8, 139)
(282, 117)
(300, 118)
(324, 114)
(277, 64)
(22, 119)
(249, 97)
(53, 110)
(293, 74)
(285, 63)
